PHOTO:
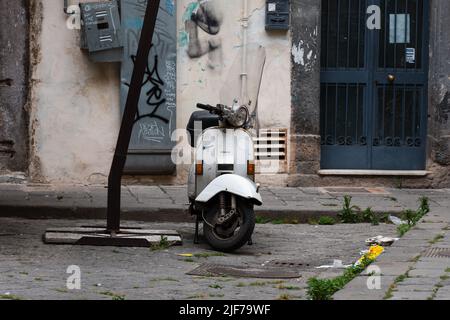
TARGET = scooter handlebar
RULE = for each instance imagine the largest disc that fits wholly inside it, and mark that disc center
(206, 107)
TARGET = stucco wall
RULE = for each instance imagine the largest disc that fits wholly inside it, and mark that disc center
(201, 79)
(75, 103)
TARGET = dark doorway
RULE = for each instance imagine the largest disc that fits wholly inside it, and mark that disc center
(374, 85)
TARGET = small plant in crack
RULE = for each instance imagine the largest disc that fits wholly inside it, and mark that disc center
(9, 297)
(114, 296)
(371, 217)
(326, 221)
(216, 286)
(436, 239)
(349, 213)
(163, 244)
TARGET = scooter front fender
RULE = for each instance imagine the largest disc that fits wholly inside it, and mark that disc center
(231, 183)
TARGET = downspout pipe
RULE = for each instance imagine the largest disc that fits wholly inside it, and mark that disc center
(244, 74)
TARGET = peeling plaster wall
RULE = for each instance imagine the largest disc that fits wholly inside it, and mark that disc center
(75, 105)
(201, 79)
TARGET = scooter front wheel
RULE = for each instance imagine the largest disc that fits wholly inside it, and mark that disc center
(235, 233)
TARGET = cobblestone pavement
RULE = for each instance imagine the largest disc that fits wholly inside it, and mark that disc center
(31, 270)
(412, 269)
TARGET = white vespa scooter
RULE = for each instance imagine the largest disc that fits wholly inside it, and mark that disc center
(221, 185)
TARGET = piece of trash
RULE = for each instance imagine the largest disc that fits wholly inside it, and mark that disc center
(397, 221)
(381, 241)
(373, 253)
(98, 285)
(186, 255)
(337, 264)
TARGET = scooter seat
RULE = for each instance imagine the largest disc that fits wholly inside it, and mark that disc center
(207, 120)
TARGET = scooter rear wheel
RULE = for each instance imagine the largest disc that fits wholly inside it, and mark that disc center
(239, 237)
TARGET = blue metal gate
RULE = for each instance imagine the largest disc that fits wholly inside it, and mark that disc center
(374, 85)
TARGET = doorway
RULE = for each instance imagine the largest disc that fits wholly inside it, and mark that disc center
(374, 85)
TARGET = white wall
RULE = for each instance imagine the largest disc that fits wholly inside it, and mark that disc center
(197, 82)
(75, 106)
(75, 103)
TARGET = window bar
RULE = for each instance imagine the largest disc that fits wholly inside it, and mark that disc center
(406, 33)
(359, 35)
(394, 109)
(328, 34)
(349, 18)
(357, 114)
(403, 118)
(338, 32)
(417, 32)
(383, 113)
(326, 114)
(386, 24)
(414, 112)
(336, 115)
(346, 112)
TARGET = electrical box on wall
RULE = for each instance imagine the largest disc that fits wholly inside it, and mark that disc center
(101, 33)
(277, 14)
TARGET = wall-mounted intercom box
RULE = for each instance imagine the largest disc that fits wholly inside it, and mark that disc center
(101, 33)
(277, 14)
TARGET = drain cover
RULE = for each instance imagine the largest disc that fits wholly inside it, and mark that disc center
(292, 264)
(216, 270)
(437, 253)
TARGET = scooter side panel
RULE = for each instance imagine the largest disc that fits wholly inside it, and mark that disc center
(234, 184)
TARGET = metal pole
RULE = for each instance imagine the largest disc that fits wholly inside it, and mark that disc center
(131, 108)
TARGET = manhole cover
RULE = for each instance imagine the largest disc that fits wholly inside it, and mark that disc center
(292, 264)
(438, 253)
(216, 270)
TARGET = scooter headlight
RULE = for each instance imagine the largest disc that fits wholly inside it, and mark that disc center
(240, 117)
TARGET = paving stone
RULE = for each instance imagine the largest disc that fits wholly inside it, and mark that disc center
(409, 295)
(139, 273)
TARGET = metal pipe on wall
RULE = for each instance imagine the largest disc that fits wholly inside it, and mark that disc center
(244, 75)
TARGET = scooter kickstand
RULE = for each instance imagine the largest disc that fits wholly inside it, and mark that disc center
(250, 242)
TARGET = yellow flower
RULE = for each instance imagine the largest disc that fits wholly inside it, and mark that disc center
(374, 252)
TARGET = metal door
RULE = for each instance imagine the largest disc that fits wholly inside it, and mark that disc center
(374, 85)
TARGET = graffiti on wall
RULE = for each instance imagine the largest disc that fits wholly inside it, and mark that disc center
(203, 21)
(156, 118)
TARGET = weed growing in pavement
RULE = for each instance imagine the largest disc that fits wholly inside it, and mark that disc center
(349, 213)
(324, 289)
(390, 293)
(413, 217)
(436, 239)
(216, 286)
(9, 297)
(369, 216)
(261, 220)
(284, 287)
(208, 254)
(326, 221)
(163, 244)
(114, 296)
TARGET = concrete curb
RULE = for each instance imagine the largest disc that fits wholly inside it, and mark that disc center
(175, 213)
